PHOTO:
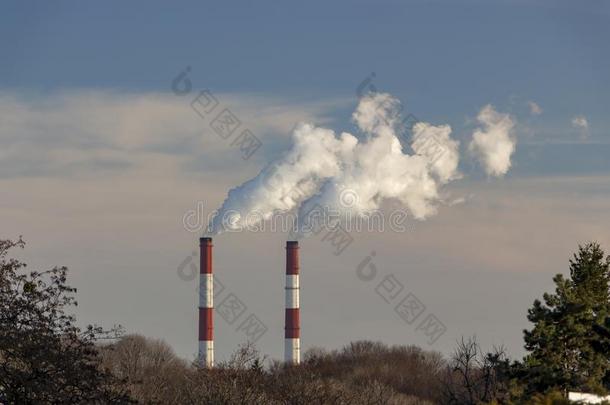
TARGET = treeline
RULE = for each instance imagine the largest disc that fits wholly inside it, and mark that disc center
(46, 359)
(360, 373)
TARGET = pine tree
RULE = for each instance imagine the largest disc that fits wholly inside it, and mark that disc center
(562, 346)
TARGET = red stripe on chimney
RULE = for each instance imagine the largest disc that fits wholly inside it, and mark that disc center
(205, 256)
(292, 322)
(206, 330)
(292, 257)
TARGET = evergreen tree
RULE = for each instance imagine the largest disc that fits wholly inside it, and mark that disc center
(563, 349)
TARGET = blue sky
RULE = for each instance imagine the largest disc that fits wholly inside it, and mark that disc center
(99, 160)
(444, 59)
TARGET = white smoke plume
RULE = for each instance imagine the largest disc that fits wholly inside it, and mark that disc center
(346, 174)
(435, 141)
(494, 144)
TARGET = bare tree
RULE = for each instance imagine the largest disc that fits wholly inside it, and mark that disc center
(473, 377)
(149, 366)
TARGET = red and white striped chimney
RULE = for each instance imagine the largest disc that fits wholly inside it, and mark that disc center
(292, 331)
(206, 304)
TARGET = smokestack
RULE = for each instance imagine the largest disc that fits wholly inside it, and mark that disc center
(292, 330)
(206, 304)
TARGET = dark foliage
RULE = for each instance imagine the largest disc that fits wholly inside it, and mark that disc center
(564, 345)
(44, 357)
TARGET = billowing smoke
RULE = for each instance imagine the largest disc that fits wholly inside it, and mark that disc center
(493, 145)
(346, 174)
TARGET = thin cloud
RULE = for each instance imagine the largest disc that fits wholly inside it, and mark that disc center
(92, 131)
(535, 109)
(581, 123)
